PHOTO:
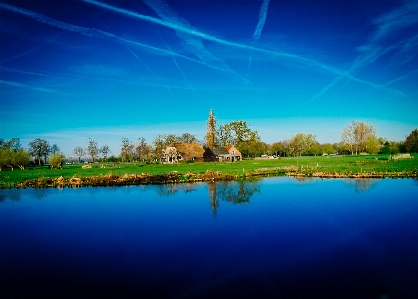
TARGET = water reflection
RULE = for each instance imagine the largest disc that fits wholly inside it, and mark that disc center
(361, 185)
(12, 194)
(234, 192)
(171, 189)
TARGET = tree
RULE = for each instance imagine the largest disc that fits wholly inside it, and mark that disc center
(79, 152)
(372, 145)
(92, 149)
(187, 138)
(105, 150)
(54, 149)
(142, 149)
(411, 142)
(12, 143)
(21, 158)
(356, 135)
(300, 142)
(6, 158)
(127, 150)
(314, 149)
(211, 130)
(328, 149)
(277, 148)
(39, 148)
(57, 159)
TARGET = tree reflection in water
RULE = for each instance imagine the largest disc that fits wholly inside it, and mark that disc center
(235, 192)
(12, 194)
(171, 189)
(360, 185)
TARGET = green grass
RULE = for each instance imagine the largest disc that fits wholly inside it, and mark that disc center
(327, 164)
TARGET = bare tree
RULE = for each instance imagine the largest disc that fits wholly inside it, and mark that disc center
(105, 150)
(79, 152)
(127, 150)
(142, 149)
(92, 149)
(356, 136)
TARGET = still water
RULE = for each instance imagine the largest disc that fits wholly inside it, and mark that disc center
(270, 238)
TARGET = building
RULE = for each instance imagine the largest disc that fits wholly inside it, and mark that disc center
(221, 154)
(236, 155)
(178, 151)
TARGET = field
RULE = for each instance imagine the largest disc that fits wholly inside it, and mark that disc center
(303, 165)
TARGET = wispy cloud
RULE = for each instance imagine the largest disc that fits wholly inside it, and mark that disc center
(149, 70)
(275, 53)
(261, 20)
(37, 88)
(257, 33)
(184, 76)
(96, 33)
(193, 44)
(387, 25)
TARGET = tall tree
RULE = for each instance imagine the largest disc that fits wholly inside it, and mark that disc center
(39, 148)
(93, 149)
(411, 142)
(79, 152)
(211, 130)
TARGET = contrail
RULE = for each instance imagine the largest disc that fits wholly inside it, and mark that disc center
(393, 21)
(155, 76)
(32, 50)
(16, 84)
(261, 20)
(184, 76)
(196, 45)
(96, 33)
(275, 53)
(257, 33)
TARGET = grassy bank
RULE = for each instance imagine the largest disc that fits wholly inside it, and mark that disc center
(139, 173)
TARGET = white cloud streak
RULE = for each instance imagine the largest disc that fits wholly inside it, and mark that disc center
(194, 44)
(261, 20)
(152, 73)
(274, 53)
(96, 33)
(257, 33)
(388, 24)
(37, 88)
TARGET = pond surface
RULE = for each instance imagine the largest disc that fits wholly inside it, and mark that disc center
(270, 238)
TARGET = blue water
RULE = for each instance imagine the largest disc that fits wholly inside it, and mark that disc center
(271, 238)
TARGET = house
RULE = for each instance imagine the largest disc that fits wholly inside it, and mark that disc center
(236, 155)
(221, 154)
(179, 151)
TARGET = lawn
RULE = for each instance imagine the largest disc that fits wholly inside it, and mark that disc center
(326, 164)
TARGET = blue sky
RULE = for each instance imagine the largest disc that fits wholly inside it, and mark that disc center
(73, 70)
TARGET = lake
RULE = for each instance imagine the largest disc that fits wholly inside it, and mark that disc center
(271, 238)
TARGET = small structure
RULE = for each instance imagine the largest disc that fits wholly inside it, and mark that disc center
(236, 155)
(178, 151)
(221, 154)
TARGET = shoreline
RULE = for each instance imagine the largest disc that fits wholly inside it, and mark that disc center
(209, 176)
